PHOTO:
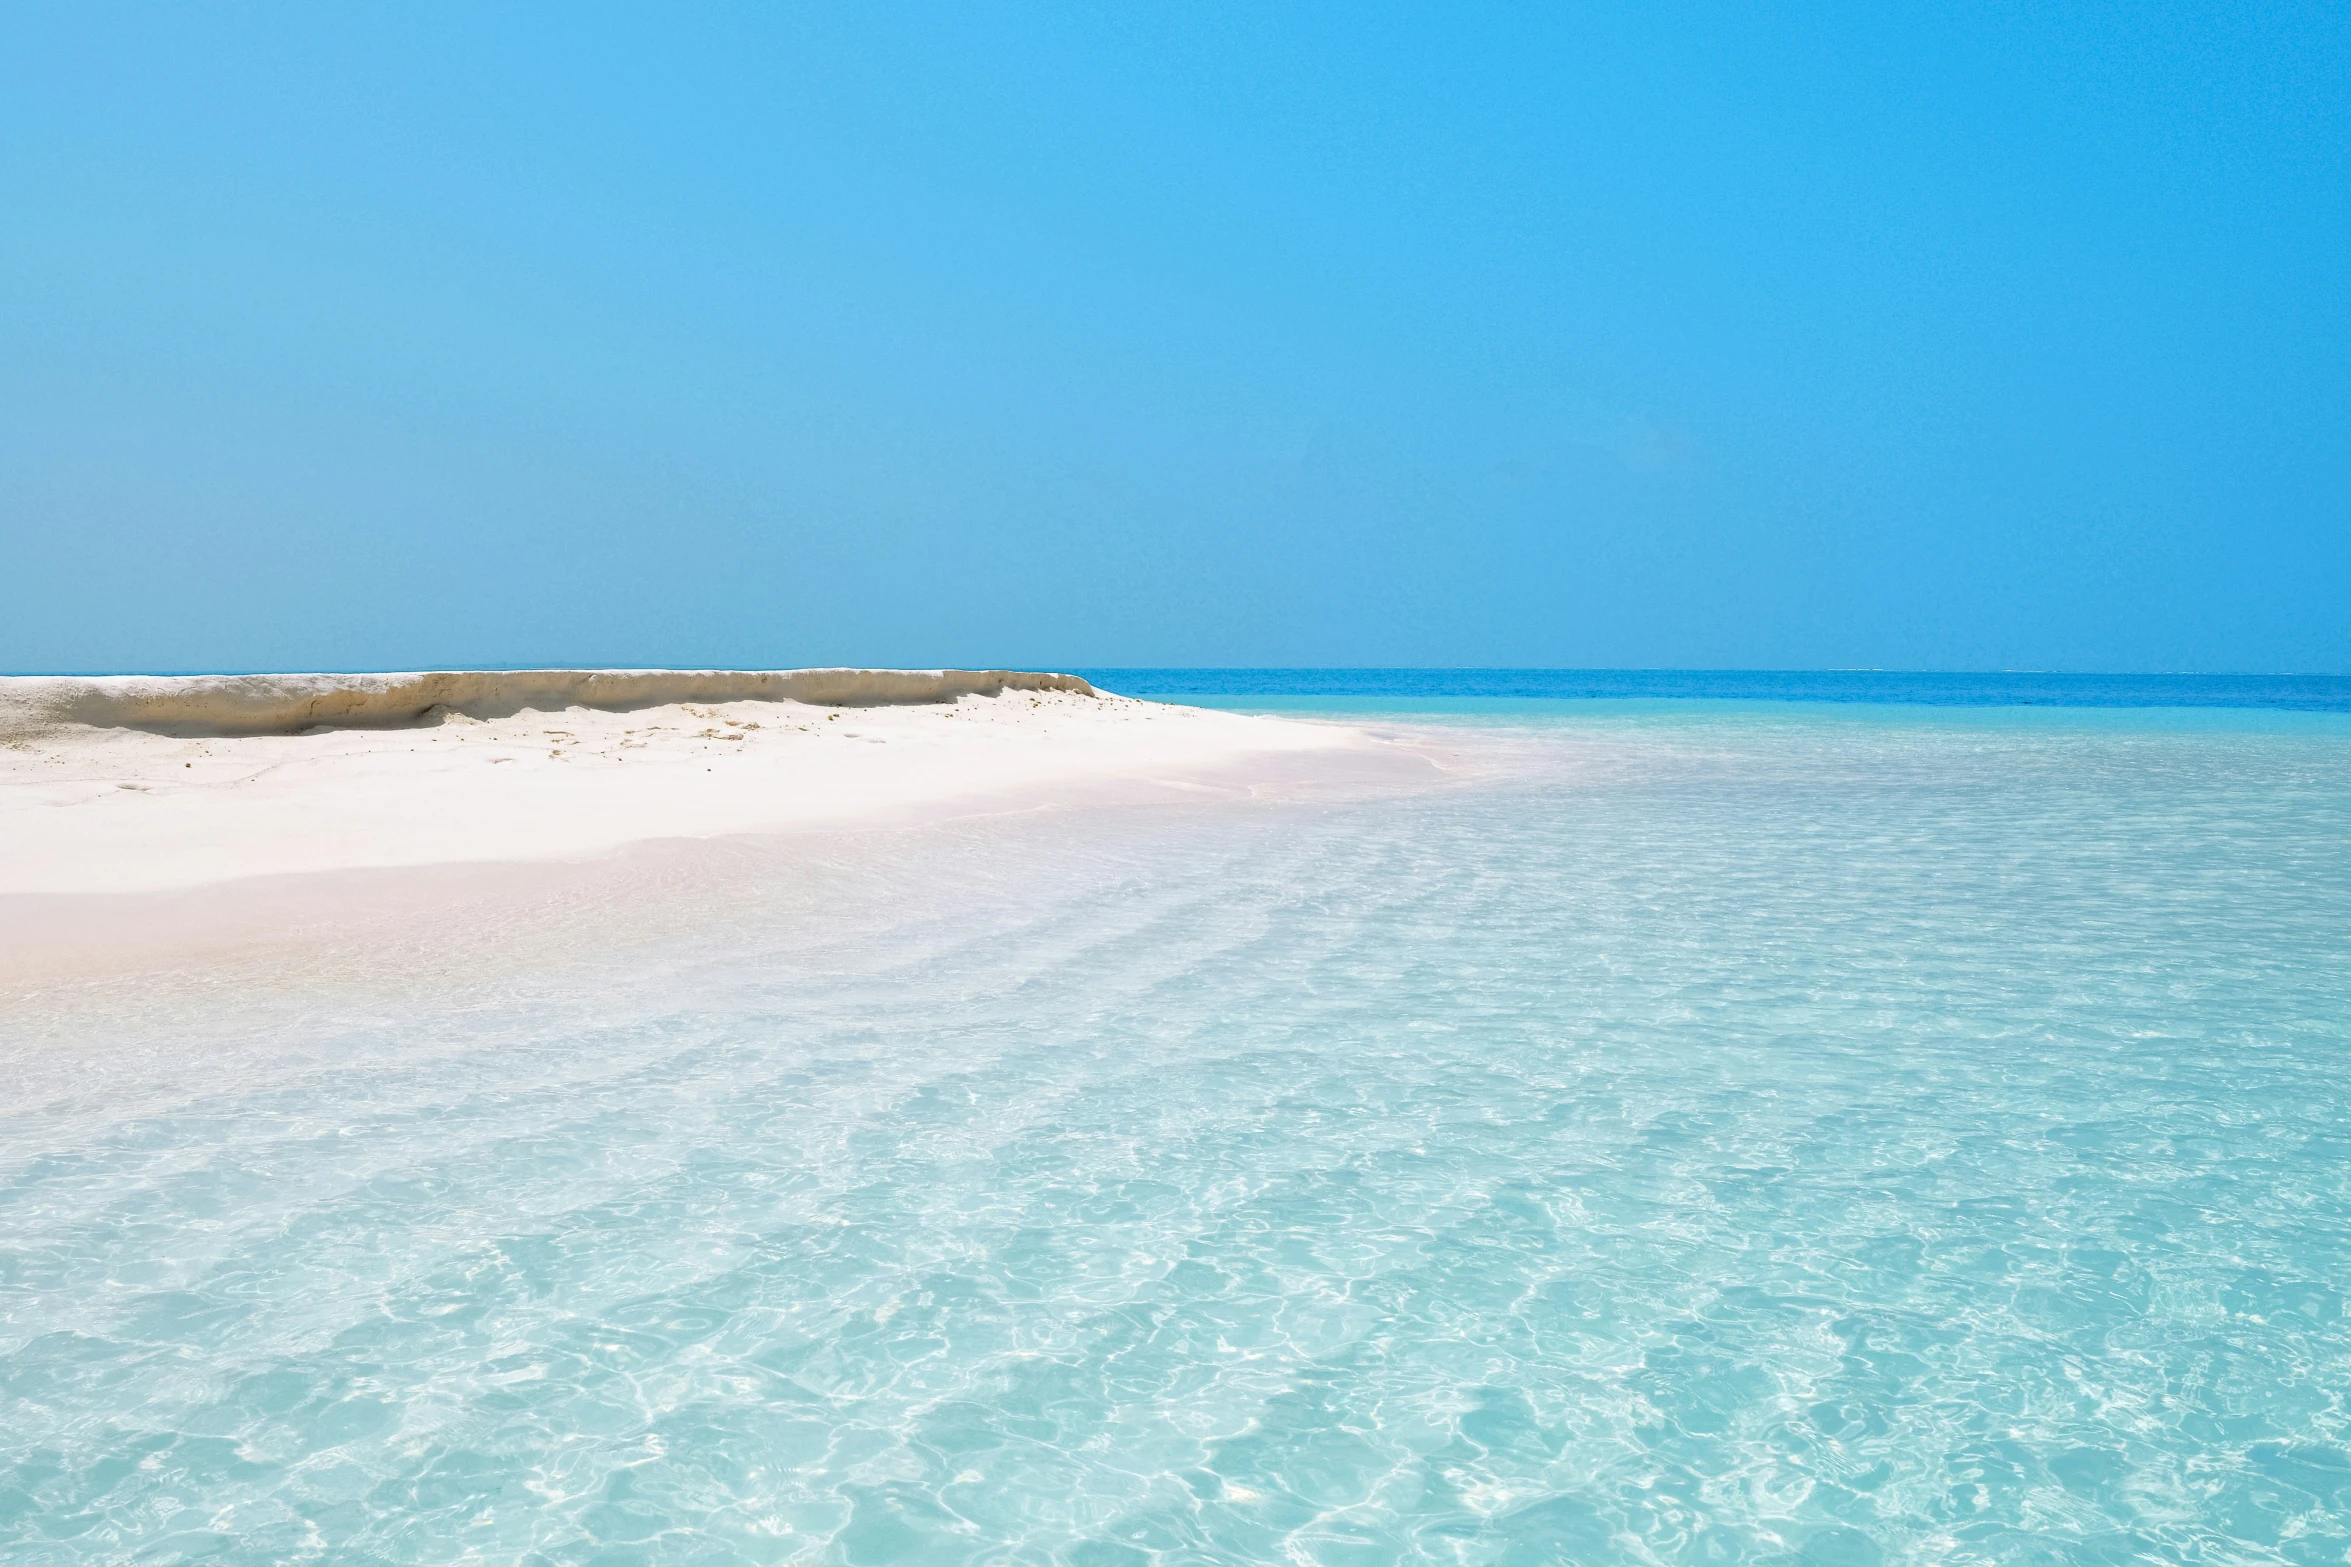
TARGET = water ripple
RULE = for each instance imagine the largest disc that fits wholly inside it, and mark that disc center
(1709, 1141)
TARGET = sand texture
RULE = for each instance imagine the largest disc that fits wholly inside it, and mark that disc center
(141, 784)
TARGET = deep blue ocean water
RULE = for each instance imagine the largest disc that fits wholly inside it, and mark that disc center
(1709, 1130)
(1524, 690)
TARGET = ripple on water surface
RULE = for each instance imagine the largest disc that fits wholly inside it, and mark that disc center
(1722, 1139)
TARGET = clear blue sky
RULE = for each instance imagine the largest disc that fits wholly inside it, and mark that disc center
(1920, 337)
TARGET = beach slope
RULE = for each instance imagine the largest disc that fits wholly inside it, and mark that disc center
(142, 784)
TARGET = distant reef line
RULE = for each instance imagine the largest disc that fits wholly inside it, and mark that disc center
(288, 704)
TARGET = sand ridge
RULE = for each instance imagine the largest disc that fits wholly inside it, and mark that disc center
(86, 809)
(32, 705)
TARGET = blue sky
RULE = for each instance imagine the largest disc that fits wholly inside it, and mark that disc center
(765, 335)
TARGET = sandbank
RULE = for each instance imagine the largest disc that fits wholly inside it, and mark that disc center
(143, 812)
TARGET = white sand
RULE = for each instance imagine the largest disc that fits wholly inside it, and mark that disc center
(91, 805)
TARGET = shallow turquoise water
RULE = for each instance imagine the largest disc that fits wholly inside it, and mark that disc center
(1717, 1135)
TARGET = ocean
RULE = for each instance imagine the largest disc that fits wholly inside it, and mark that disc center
(1732, 1119)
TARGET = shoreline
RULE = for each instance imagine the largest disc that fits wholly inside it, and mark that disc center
(130, 850)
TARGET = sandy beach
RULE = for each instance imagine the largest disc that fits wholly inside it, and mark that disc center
(142, 817)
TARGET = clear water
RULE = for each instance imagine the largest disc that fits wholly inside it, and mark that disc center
(1711, 1134)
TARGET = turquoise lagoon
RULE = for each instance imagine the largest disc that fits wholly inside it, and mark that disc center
(1704, 1130)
